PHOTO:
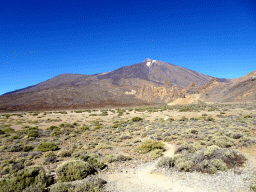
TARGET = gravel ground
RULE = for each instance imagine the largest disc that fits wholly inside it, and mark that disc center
(145, 177)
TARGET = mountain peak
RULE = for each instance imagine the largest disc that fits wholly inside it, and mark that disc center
(148, 60)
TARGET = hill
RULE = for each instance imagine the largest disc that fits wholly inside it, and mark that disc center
(124, 86)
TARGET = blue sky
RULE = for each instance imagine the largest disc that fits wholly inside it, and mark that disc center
(42, 39)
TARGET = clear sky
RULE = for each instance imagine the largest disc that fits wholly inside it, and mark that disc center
(42, 39)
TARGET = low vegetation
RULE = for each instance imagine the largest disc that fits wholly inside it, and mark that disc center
(61, 148)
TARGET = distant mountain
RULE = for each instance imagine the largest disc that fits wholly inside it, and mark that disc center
(18, 90)
(234, 90)
(150, 81)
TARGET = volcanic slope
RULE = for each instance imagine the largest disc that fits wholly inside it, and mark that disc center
(235, 90)
(118, 87)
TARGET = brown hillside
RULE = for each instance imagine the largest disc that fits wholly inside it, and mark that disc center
(119, 87)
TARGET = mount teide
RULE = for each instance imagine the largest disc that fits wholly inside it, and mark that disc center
(150, 81)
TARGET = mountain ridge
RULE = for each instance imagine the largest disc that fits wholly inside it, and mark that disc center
(150, 81)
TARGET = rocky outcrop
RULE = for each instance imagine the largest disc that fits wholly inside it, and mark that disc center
(151, 93)
(190, 99)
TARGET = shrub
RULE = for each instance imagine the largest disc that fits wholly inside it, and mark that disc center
(222, 141)
(52, 127)
(115, 125)
(170, 119)
(93, 160)
(46, 146)
(62, 187)
(92, 185)
(111, 158)
(28, 148)
(206, 160)
(65, 153)
(150, 145)
(49, 154)
(84, 128)
(33, 133)
(103, 146)
(98, 127)
(213, 158)
(15, 148)
(73, 170)
(156, 153)
(136, 119)
(7, 116)
(35, 188)
(51, 159)
(55, 132)
(209, 119)
(15, 137)
(66, 125)
(30, 176)
(188, 148)
(166, 162)
(183, 118)
(237, 135)
(9, 130)
(194, 118)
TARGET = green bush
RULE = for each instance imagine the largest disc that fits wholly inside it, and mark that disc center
(136, 119)
(28, 148)
(91, 185)
(112, 158)
(73, 170)
(183, 118)
(84, 128)
(15, 148)
(209, 119)
(115, 125)
(30, 176)
(7, 116)
(49, 154)
(33, 133)
(166, 162)
(93, 160)
(170, 119)
(46, 146)
(55, 132)
(188, 148)
(98, 127)
(156, 153)
(65, 153)
(222, 141)
(62, 187)
(52, 127)
(206, 160)
(194, 118)
(9, 130)
(15, 137)
(150, 145)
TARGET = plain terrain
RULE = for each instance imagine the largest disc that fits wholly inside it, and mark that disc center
(125, 146)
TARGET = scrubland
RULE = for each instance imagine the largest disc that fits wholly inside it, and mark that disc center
(68, 150)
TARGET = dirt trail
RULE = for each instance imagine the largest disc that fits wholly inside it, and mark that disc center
(148, 178)
(145, 178)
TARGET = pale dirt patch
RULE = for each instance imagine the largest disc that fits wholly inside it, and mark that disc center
(148, 178)
(144, 177)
